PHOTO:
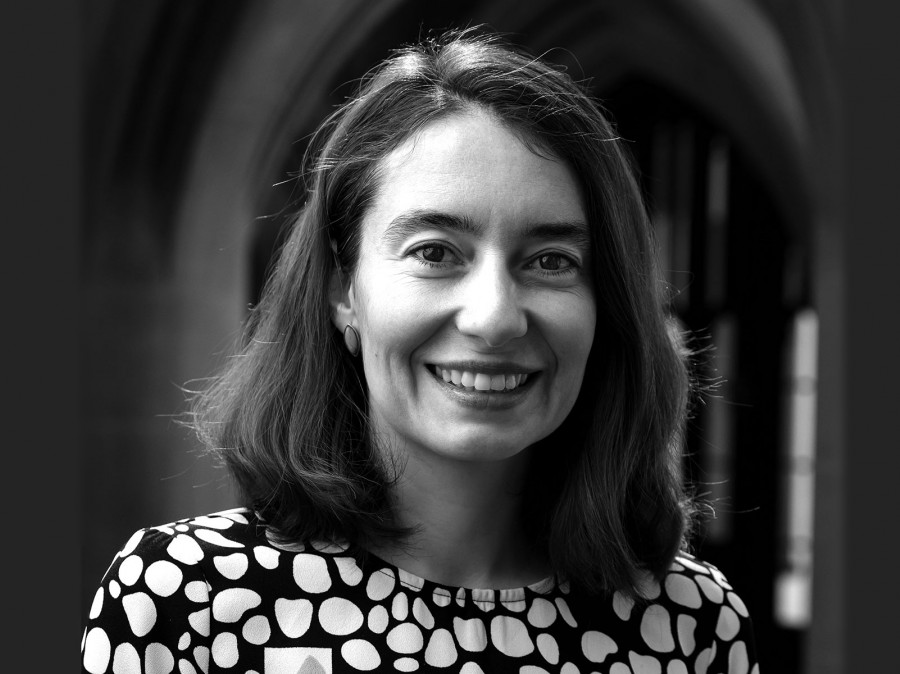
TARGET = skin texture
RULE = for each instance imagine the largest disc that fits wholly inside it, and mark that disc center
(474, 254)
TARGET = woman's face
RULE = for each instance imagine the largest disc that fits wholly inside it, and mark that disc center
(472, 294)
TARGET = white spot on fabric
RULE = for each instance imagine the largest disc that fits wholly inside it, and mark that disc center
(97, 650)
(132, 543)
(281, 544)
(471, 668)
(408, 580)
(644, 664)
(158, 659)
(257, 630)
(114, 589)
(184, 641)
(483, 599)
(738, 662)
(400, 606)
(693, 566)
(182, 527)
(213, 522)
(339, 616)
(163, 578)
(686, 625)
(197, 591)
(596, 646)
(360, 654)
(293, 616)
(185, 667)
(570, 668)
(755, 669)
(201, 657)
(729, 624)
(422, 614)
(215, 538)
(235, 514)
(542, 613)
(510, 636)
(619, 668)
(230, 604)
(140, 611)
(311, 573)
(441, 650)
(441, 597)
(378, 619)
(548, 648)
(656, 629)
(738, 605)
(199, 620)
(97, 604)
(701, 664)
(711, 588)
(565, 612)
(185, 549)
(677, 667)
(471, 634)
(126, 660)
(232, 566)
(130, 570)
(682, 590)
(405, 665)
(381, 584)
(405, 638)
(461, 597)
(532, 669)
(622, 605)
(349, 571)
(225, 650)
(266, 557)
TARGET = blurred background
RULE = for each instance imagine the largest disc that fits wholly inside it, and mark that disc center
(197, 113)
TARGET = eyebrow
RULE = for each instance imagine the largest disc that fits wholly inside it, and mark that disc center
(412, 222)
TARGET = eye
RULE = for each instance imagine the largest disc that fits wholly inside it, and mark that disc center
(432, 253)
(553, 263)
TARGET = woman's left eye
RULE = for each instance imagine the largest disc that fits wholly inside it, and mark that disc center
(554, 262)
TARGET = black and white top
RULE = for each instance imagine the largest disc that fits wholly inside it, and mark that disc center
(219, 593)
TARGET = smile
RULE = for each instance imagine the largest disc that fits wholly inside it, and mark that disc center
(471, 380)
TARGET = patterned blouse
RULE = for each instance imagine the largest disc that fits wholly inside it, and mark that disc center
(219, 593)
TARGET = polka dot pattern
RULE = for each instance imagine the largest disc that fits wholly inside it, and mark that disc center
(224, 592)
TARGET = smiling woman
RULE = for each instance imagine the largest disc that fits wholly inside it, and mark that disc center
(457, 418)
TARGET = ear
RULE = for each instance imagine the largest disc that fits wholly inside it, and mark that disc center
(340, 296)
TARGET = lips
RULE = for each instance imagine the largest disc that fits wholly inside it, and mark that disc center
(478, 379)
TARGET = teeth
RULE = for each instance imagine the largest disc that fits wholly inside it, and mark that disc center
(480, 381)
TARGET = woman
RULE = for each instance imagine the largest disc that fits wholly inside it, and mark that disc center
(457, 417)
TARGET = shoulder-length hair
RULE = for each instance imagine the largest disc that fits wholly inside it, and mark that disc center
(288, 414)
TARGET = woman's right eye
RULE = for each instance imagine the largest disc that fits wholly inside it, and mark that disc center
(433, 255)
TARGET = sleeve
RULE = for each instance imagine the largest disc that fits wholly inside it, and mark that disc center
(151, 612)
(730, 644)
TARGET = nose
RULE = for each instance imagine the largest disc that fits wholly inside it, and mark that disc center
(491, 307)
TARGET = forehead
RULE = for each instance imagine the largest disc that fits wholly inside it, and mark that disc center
(473, 166)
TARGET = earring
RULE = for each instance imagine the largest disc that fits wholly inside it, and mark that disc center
(351, 340)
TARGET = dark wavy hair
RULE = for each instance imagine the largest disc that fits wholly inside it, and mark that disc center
(288, 415)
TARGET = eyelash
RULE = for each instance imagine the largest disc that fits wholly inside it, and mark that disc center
(573, 265)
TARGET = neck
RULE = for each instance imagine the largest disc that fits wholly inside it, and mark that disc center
(467, 519)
